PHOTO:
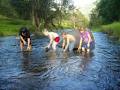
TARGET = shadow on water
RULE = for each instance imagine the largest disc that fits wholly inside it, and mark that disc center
(40, 70)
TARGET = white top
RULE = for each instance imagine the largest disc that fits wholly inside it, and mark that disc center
(53, 35)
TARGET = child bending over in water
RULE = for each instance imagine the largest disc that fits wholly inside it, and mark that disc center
(54, 39)
(68, 41)
(25, 38)
(86, 40)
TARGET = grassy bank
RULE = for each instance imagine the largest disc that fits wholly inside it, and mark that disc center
(96, 29)
(112, 30)
(11, 26)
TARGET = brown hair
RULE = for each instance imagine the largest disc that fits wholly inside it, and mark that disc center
(64, 33)
(81, 29)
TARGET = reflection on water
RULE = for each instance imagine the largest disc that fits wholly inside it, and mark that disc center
(40, 70)
(25, 60)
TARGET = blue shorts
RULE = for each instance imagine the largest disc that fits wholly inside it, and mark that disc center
(92, 45)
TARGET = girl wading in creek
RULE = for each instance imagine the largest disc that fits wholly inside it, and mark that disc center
(86, 43)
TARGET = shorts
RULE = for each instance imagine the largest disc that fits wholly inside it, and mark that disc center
(92, 45)
(57, 39)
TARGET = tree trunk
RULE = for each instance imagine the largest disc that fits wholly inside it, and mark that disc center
(36, 21)
(35, 18)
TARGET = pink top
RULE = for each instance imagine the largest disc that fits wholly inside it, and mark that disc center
(85, 36)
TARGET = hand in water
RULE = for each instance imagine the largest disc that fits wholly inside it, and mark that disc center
(24, 43)
(28, 48)
(64, 50)
(78, 49)
(48, 46)
(88, 45)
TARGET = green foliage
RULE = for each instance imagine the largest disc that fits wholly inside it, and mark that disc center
(6, 9)
(106, 12)
(74, 19)
(22, 8)
(79, 19)
(96, 29)
(11, 26)
(112, 29)
(94, 19)
(41, 14)
(109, 10)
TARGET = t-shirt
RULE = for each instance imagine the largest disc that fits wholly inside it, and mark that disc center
(26, 34)
(85, 37)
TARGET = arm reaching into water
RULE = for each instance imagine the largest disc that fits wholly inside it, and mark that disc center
(29, 46)
(80, 44)
(63, 44)
(22, 39)
(51, 40)
(66, 47)
(89, 40)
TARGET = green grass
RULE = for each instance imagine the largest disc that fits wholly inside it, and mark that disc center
(10, 26)
(96, 29)
(112, 29)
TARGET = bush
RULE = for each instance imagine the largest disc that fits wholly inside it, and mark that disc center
(112, 29)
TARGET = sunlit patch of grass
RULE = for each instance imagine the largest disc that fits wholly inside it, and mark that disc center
(10, 26)
(112, 29)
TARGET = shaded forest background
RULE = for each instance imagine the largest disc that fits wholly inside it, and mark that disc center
(57, 14)
(39, 14)
(106, 12)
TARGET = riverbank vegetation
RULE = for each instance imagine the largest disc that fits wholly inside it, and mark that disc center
(112, 30)
(9, 26)
(106, 16)
(38, 14)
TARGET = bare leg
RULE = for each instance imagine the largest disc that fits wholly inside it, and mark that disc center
(54, 45)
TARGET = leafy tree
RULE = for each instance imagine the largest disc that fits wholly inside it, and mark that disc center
(78, 19)
(95, 20)
(108, 11)
(42, 12)
(6, 9)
